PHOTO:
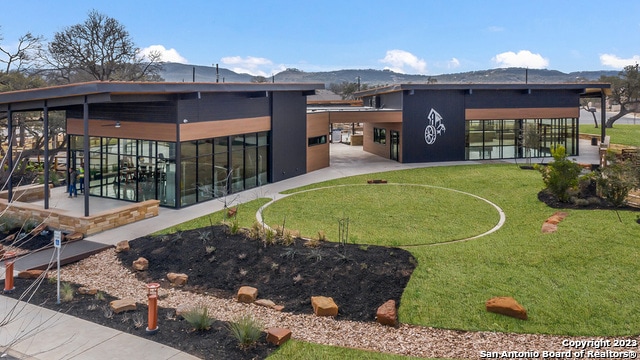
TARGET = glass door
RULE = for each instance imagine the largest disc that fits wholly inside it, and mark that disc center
(395, 145)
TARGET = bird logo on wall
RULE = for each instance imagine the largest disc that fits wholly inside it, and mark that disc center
(434, 128)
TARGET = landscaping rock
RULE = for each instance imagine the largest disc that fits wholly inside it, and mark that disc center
(83, 290)
(247, 294)
(177, 279)
(551, 224)
(387, 314)
(74, 236)
(30, 274)
(122, 305)
(141, 264)
(122, 246)
(278, 336)
(324, 306)
(38, 229)
(506, 306)
(266, 303)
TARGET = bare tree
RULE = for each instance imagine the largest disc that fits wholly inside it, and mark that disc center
(25, 55)
(625, 90)
(100, 49)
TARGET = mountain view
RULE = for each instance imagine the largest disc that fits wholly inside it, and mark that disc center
(174, 72)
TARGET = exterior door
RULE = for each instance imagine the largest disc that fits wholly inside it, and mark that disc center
(395, 145)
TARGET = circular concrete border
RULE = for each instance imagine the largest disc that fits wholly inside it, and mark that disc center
(492, 230)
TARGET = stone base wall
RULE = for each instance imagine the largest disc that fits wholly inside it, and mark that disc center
(87, 225)
(27, 193)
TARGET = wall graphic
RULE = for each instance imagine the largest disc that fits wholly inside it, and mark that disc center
(434, 127)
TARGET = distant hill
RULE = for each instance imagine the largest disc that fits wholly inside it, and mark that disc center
(175, 72)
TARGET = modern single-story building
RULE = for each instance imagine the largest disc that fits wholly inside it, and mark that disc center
(185, 143)
(179, 143)
(453, 122)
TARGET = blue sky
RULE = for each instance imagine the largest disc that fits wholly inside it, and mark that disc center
(415, 37)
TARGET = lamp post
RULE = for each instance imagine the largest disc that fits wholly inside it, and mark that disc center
(152, 295)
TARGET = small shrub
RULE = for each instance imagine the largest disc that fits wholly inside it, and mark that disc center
(275, 266)
(594, 200)
(269, 237)
(297, 278)
(100, 296)
(125, 318)
(66, 291)
(243, 272)
(246, 330)
(233, 226)
(312, 243)
(579, 201)
(322, 236)
(255, 232)
(198, 318)
(204, 236)
(315, 254)
(107, 312)
(138, 320)
(288, 238)
(92, 307)
(210, 249)
(289, 253)
(560, 175)
(242, 256)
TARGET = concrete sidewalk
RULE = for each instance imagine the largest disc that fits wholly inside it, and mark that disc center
(44, 334)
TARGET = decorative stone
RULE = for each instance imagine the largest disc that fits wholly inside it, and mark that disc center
(177, 279)
(247, 294)
(278, 307)
(278, 336)
(83, 290)
(551, 224)
(506, 306)
(122, 305)
(141, 264)
(387, 314)
(324, 306)
(122, 246)
(30, 274)
(38, 229)
(266, 303)
(74, 236)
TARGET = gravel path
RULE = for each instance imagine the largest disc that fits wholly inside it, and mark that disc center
(100, 270)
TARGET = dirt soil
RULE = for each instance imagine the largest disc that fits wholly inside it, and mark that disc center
(358, 278)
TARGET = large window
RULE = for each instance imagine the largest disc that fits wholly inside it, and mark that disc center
(317, 140)
(379, 135)
(139, 170)
(518, 138)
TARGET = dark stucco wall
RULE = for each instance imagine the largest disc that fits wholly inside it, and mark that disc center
(449, 144)
(288, 135)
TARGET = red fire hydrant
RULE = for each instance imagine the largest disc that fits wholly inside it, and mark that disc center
(152, 294)
(8, 275)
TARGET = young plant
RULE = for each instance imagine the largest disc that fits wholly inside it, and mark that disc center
(66, 292)
(246, 330)
(560, 175)
(198, 318)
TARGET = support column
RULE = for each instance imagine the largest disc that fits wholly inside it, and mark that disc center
(10, 152)
(603, 115)
(85, 151)
(47, 166)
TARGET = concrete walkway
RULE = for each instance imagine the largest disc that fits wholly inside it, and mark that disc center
(44, 334)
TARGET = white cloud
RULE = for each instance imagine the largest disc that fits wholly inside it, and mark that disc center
(398, 60)
(453, 63)
(167, 55)
(616, 62)
(524, 58)
(251, 65)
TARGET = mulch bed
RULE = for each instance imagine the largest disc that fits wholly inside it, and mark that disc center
(359, 278)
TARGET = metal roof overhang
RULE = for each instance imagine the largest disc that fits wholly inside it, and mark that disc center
(592, 89)
(101, 92)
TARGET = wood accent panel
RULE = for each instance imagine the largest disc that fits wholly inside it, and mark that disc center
(365, 116)
(521, 113)
(317, 157)
(218, 128)
(317, 124)
(128, 130)
(379, 149)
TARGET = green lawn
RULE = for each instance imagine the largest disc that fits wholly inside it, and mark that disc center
(622, 134)
(582, 280)
(391, 214)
